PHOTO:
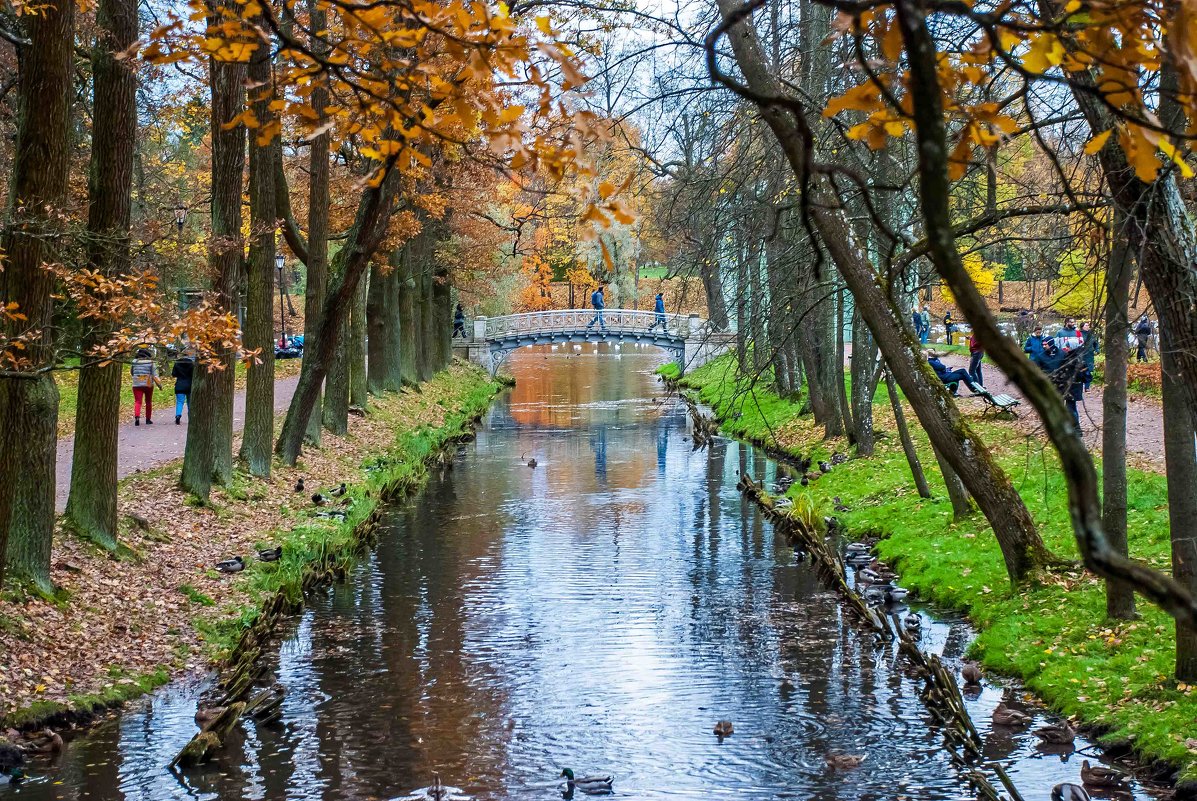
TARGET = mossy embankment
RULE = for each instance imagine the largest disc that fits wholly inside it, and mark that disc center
(118, 627)
(1052, 633)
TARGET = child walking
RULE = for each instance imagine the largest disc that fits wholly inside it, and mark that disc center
(145, 378)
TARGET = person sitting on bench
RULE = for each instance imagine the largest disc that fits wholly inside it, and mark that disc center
(952, 378)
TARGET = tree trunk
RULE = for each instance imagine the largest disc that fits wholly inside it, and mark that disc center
(318, 202)
(336, 385)
(961, 505)
(383, 326)
(1180, 463)
(39, 189)
(712, 284)
(442, 301)
(840, 357)
(1120, 598)
(409, 328)
(208, 456)
(1013, 526)
(258, 436)
(912, 456)
(357, 346)
(864, 384)
(91, 506)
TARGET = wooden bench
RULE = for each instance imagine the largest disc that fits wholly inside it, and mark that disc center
(1001, 404)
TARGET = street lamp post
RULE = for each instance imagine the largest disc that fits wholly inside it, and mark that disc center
(279, 262)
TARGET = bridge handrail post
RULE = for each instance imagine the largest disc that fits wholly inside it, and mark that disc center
(479, 328)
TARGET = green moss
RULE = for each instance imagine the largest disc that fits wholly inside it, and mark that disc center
(195, 596)
(1053, 633)
(125, 687)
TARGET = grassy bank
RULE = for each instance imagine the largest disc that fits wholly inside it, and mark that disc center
(1053, 634)
(117, 628)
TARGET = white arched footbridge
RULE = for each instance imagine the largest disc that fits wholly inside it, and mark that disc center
(686, 337)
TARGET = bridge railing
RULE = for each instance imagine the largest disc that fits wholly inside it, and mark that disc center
(617, 321)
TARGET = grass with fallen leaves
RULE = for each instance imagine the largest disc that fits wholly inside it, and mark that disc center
(117, 628)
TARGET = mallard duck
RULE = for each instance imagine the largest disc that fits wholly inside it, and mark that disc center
(913, 623)
(838, 458)
(234, 565)
(11, 758)
(1101, 776)
(824, 467)
(844, 761)
(50, 742)
(839, 505)
(270, 554)
(206, 715)
(1005, 716)
(339, 491)
(783, 503)
(591, 785)
(971, 673)
(13, 776)
(1069, 792)
(724, 728)
(532, 463)
(299, 485)
(320, 500)
(437, 792)
(1060, 733)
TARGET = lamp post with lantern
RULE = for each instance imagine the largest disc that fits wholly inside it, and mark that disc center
(280, 262)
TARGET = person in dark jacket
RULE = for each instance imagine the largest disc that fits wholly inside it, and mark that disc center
(916, 319)
(949, 326)
(1143, 332)
(459, 322)
(1065, 368)
(658, 312)
(596, 300)
(182, 373)
(1033, 347)
(952, 378)
(976, 354)
(1092, 348)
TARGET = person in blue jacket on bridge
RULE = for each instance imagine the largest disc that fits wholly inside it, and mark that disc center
(596, 300)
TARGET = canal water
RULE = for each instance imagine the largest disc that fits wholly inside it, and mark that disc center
(599, 612)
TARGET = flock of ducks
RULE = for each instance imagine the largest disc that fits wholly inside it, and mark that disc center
(236, 564)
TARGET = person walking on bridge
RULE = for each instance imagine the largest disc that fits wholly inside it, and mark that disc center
(658, 313)
(459, 322)
(596, 300)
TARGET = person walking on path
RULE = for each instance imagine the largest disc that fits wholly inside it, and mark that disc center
(975, 355)
(952, 378)
(1092, 347)
(182, 373)
(916, 319)
(949, 326)
(1065, 367)
(459, 322)
(658, 313)
(596, 300)
(145, 378)
(925, 330)
(1143, 332)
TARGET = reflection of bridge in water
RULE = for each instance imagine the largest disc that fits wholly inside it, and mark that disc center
(688, 338)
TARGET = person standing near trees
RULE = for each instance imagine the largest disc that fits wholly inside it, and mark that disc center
(949, 326)
(182, 373)
(976, 354)
(1033, 347)
(1143, 332)
(596, 300)
(145, 378)
(916, 319)
(925, 330)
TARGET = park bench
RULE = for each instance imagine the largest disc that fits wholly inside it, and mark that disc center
(1001, 404)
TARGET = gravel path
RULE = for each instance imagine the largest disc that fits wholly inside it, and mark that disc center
(1144, 415)
(143, 447)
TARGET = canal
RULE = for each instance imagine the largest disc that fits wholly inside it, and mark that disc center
(600, 611)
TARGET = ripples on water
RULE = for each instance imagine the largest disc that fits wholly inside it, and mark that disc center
(600, 612)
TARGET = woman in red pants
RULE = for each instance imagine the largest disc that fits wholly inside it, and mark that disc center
(145, 378)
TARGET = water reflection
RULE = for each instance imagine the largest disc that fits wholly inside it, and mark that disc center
(598, 612)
